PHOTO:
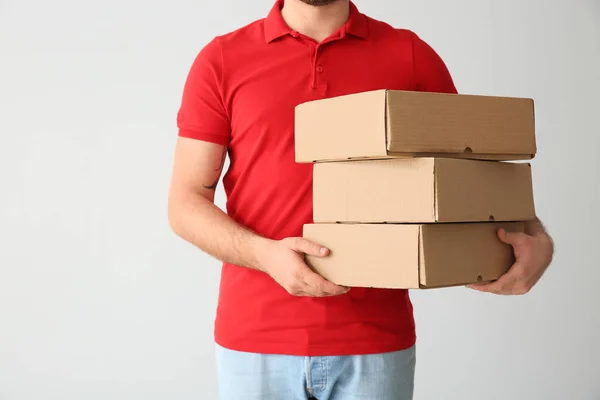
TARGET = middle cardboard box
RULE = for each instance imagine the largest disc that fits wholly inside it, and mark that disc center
(422, 190)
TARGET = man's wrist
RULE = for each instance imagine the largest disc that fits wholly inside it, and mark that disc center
(258, 247)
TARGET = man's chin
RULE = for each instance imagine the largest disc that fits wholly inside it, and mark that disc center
(318, 3)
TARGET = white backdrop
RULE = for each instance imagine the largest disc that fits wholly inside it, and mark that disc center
(99, 300)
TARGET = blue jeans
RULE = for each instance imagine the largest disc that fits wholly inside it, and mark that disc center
(250, 376)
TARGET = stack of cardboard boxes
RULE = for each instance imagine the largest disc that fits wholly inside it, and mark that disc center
(410, 188)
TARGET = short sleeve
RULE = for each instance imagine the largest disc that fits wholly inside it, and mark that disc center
(202, 114)
(431, 73)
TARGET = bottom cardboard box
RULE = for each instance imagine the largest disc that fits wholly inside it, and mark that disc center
(410, 256)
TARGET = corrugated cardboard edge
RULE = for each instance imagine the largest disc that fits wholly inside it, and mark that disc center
(532, 191)
(349, 112)
(534, 128)
(420, 260)
(421, 264)
(386, 122)
(436, 212)
(464, 156)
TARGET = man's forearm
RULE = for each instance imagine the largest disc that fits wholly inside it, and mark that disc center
(200, 222)
(535, 227)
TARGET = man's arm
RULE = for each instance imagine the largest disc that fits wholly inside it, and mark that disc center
(194, 217)
(193, 214)
(204, 132)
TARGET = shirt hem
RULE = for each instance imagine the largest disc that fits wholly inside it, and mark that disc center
(320, 350)
(205, 137)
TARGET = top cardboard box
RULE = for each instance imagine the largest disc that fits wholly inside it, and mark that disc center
(388, 123)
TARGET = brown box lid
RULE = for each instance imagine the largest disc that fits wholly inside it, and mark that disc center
(390, 123)
(410, 256)
(422, 190)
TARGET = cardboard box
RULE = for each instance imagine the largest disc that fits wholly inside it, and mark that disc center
(411, 256)
(422, 190)
(387, 123)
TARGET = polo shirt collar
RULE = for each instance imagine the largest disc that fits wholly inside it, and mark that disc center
(275, 26)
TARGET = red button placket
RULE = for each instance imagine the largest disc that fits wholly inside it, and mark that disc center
(317, 81)
(314, 55)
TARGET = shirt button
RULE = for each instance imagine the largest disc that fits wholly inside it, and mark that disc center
(319, 68)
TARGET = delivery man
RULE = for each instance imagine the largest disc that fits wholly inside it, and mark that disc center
(282, 331)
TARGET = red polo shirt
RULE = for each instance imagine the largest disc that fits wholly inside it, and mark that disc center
(241, 92)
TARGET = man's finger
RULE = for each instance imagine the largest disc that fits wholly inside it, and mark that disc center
(502, 285)
(321, 285)
(314, 294)
(304, 294)
(512, 238)
(484, 287)
(310, 248)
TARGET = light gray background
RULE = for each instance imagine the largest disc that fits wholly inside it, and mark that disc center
(99, 300)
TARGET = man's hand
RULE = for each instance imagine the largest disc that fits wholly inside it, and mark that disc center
(533, 253)
(283, 260)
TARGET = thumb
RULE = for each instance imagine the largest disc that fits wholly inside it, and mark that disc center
(512, 238)
(310, 248)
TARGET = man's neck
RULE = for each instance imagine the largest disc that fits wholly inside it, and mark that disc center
(315, 22)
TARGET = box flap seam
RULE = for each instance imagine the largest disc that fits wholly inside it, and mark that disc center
(420, 255)
(436, 214)
(386, 119)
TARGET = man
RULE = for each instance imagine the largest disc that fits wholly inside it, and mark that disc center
(284, 332)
